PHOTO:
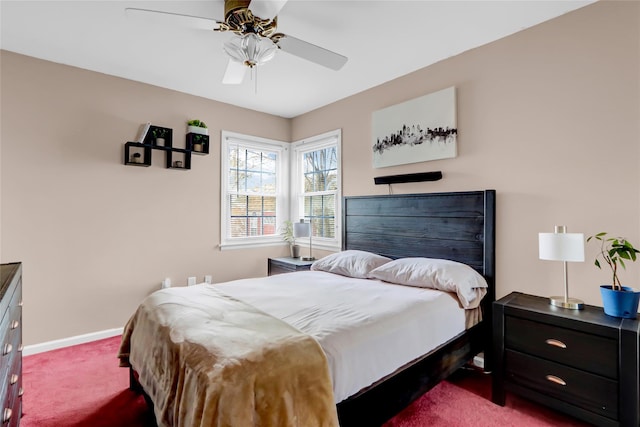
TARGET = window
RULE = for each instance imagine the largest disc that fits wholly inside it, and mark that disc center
(254, 201)
(316, 187)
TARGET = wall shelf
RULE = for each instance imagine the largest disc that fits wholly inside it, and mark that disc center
(143, 152)
(139, 153)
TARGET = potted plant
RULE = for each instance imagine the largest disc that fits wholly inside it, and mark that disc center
(197, 126)
(198, 142)
(618, 300)
(286, 231)
(158, 135)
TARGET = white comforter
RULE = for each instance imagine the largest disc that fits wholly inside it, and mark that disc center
(367, 328)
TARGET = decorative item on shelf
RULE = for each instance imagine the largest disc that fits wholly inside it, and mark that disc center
(142, 134)
(198, 143)
(159, 135)
(286, 231)
(303, 229)
(563, 246)
(177, 164)
(136, 158)
(197, 126)
(618, 301)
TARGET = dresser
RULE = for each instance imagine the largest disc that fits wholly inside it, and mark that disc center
(580, 362)
(287, 265)
(11, 343)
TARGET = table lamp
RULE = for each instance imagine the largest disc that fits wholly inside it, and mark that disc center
(563, 246)
(303, 229)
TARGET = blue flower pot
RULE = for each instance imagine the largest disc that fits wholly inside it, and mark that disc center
(620, 303)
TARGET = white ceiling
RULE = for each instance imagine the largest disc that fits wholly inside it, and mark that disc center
(382, 39)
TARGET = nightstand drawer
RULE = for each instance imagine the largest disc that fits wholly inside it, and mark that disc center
(287, 265)
(588, 391)
(583, 351)
(279, 269)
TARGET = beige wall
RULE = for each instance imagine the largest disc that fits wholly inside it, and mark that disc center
(96, 236)
(548, 117)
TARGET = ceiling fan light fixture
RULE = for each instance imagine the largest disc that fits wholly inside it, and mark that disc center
(251, 49)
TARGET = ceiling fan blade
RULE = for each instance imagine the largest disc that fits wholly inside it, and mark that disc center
(312, 52)
(266, 9)
(197, 22)
(234, 75)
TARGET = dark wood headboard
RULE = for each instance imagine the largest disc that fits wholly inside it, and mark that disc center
(459, 226)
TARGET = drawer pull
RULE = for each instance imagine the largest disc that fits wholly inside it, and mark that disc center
(6, 415)
(8, 348)
(20, 348)
(15, 324)
(14, 379)
(20, 392)
(20, 303)
(556, 380)
(556, 343)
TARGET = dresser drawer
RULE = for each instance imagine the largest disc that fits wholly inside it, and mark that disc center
(583, 351)
(10, 345)
(585, 390)
(11, 410)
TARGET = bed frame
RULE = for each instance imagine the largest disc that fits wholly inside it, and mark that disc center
(458, 226)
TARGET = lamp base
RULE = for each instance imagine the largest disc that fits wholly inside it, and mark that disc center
(307, 258)
(570, 303)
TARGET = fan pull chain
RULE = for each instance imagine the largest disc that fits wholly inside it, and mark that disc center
(256, 81)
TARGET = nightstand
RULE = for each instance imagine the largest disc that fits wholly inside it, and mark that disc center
(287, 265)
(580, 362)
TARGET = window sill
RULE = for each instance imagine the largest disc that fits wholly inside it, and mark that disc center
(333, 247)
(247, 245)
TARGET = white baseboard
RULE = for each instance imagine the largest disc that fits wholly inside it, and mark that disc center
(67, 342)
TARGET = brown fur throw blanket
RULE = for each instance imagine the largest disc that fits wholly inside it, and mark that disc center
(206, 359)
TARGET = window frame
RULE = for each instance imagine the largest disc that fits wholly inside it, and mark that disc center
(282, 189)
(298, 149)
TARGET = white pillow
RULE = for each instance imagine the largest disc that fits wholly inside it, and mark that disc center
(350, 263)
(441, 274)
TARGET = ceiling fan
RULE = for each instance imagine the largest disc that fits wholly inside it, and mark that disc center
(256, 40)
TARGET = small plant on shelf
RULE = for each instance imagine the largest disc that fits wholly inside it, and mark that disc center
(198, 141)
(196, 123)
(197, 126)
(159, 134)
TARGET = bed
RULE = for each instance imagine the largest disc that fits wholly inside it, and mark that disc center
(458, 226)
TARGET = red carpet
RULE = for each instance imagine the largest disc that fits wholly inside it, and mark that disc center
(83, 386)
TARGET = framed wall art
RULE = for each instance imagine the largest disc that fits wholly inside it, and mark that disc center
(417, 130)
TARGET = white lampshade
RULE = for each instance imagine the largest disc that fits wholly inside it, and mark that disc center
(561, 246)
(301, 229)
